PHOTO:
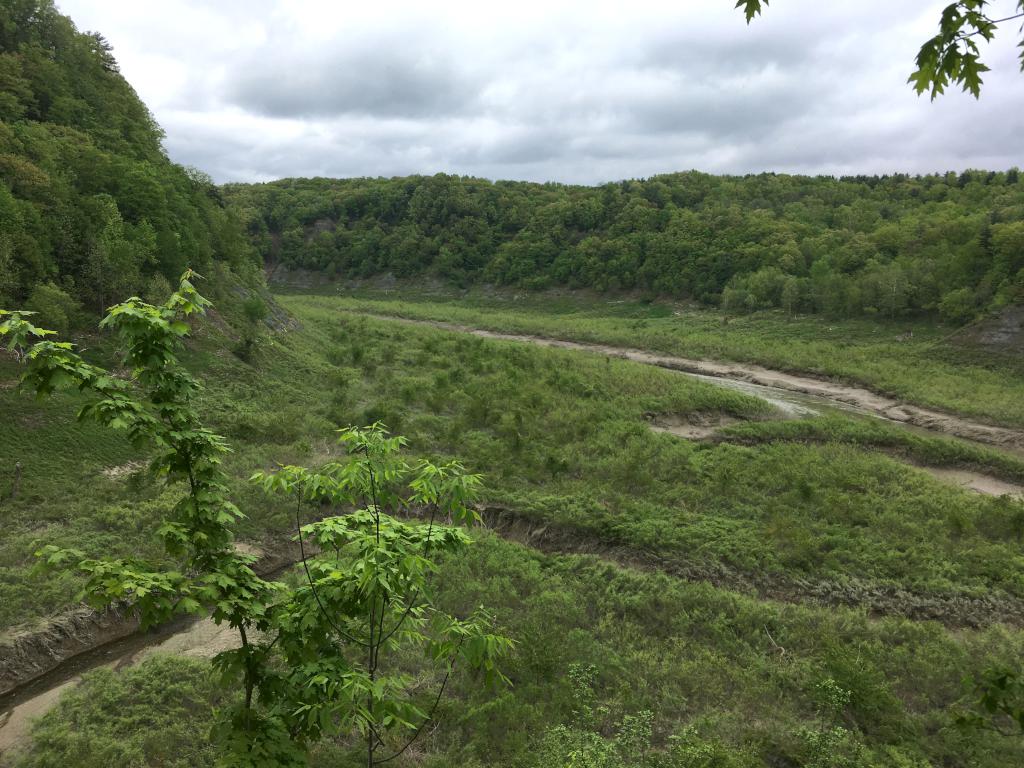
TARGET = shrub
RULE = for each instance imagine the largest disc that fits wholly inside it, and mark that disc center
(958, 306)
(56, 309)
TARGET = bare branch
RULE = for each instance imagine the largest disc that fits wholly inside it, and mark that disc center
(430, 714)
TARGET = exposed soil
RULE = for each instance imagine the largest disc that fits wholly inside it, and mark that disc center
(693, 426)
(841, 395)
(123, 470)
(31, 652)
(202, 639)
(977, 482)
(1002, 332)
(16, 724)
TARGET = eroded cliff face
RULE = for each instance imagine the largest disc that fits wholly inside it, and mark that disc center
(29, 652)
(1002, 332)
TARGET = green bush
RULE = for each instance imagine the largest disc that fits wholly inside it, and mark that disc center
(57, 310)
(958, 306)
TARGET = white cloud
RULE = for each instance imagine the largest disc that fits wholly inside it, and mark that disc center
(573, 91)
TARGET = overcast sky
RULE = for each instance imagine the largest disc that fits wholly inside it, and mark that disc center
(252, 90)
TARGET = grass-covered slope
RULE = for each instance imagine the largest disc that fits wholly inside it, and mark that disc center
(561, 436)
(716, 591)
(728, 681)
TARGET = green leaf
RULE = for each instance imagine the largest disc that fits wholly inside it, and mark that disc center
(751, 8)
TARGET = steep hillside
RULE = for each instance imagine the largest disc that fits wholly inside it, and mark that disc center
(89, 201)
(887, 246)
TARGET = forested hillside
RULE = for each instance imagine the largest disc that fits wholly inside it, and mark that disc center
(890, 246)
(91, 209)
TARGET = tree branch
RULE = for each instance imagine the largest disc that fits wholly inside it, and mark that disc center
(993, 22)
(430, 714)
(312, 587)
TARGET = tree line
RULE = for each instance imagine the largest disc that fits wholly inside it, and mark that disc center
(891, 246)
(92, 210)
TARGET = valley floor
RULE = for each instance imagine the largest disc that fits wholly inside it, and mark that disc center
(916, 362)
(775, 590)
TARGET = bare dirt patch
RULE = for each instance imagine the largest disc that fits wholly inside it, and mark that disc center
(248, 548)
(15, 724)
(123, 470)
(693, 426)
(977, 482)
(31, 421)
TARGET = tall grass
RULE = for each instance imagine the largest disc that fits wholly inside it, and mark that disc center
(745, 682)
(560, 435)
(913, 361)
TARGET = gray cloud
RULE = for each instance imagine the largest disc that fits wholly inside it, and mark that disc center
(574, 91)
(385, 80)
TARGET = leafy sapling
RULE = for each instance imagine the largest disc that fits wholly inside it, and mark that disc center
(368, 597)
(311, 661)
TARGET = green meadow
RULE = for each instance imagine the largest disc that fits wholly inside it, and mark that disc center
(734, 602)
(914, 361)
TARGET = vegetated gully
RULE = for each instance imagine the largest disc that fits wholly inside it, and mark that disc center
(793, 396)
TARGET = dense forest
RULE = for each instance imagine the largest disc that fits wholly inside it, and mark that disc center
(91, 208)
(891, 246)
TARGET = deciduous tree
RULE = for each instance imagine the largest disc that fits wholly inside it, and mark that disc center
(311, 661)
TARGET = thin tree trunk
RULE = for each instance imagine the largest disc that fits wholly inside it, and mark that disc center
(16, 484)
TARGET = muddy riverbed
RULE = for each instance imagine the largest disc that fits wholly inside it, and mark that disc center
(198, 638)
(795, 394)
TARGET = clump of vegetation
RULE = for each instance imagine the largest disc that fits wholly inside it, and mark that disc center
(880, 435)
(157, 713)
(56, 309)
(254, 312)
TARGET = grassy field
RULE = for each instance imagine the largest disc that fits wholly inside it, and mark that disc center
(563, 439)
(727, 680)
(913, 361)
(560, 436)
